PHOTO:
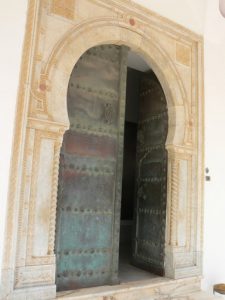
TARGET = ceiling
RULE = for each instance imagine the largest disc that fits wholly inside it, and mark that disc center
(137, 62)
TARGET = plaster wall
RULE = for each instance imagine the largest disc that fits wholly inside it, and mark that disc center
(214, 242)
(189, 13)
(12, 25)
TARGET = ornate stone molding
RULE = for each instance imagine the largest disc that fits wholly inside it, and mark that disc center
(56, 36)
(174, 201)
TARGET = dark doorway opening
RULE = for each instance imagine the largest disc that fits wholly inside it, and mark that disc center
(89, 189)
(127, 271)
(143, 199)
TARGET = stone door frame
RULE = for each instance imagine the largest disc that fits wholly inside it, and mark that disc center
(55, 38)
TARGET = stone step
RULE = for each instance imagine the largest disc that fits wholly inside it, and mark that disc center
(154, 289)
(192, 296)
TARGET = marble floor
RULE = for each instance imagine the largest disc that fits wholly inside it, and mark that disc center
(128, 272)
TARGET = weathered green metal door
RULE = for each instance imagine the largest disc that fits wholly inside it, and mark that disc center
(90, 171)
(151, 177)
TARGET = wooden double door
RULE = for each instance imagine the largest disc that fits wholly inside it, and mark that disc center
(90, 175)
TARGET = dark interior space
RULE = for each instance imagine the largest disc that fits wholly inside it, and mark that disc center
(130, 139)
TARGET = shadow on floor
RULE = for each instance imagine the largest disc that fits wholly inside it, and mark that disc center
(128, 272)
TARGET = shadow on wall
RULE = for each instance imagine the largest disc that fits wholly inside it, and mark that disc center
(222, 7)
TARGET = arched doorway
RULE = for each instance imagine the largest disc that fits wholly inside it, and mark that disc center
(93, 234)
(53, 44)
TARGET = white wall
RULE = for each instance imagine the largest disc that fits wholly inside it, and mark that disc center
(201, 16)
(189, 13)
(12, 25)
(214, 237)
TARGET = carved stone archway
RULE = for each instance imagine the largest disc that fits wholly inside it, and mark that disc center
(55, 39)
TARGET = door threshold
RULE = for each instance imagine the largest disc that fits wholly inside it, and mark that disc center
(159, 288)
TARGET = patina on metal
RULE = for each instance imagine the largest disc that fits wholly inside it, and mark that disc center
(151, 177)
(89, 196)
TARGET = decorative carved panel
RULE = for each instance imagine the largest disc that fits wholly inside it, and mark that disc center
(183, 54)
(64, 8)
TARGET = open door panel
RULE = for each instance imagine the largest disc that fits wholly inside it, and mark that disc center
(151, 178)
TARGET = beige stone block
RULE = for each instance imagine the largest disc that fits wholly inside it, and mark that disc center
(89, 9)
(131, 39)
(183, 54)
(156, 289)
(63, 8)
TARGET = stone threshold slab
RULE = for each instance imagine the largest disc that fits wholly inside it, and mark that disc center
(153, 289)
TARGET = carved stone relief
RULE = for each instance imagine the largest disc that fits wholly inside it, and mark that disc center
(57, 34)
(64, 8)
